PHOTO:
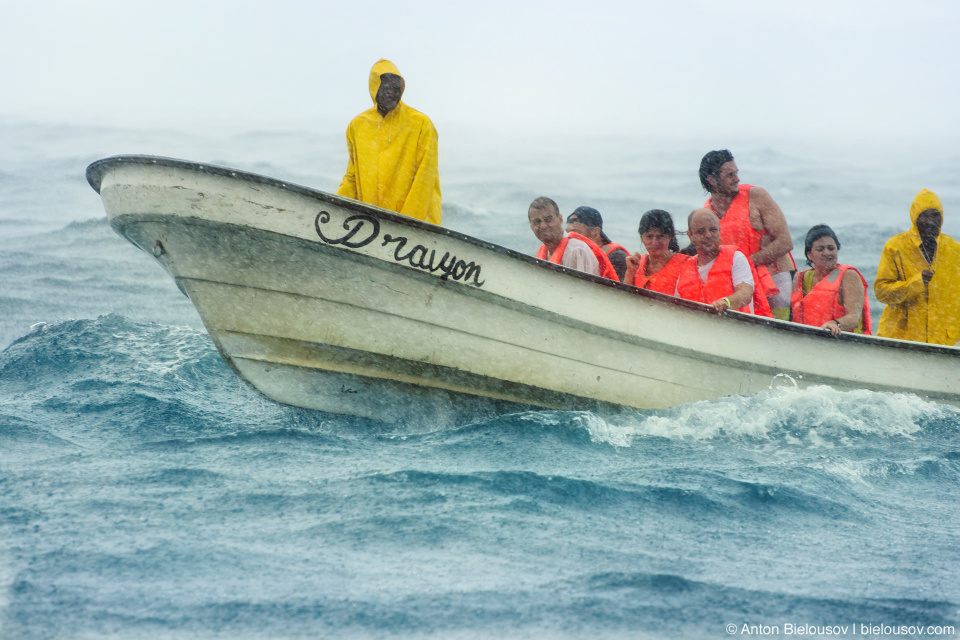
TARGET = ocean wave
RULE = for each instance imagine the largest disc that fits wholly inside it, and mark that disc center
(27, 436)
(541, 489)
(124, 376)
(97, 226)
(110, 348)
(281, 427)
(703, 496)
(818, 416)
(728, 602)
(162, 381)
(609, 605)
(164, 386)
(482, 431)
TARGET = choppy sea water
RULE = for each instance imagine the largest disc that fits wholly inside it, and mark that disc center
(146, 492)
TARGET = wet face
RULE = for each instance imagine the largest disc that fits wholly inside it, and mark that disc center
(656, 242)
(578, 227)
(546, 224)
(929, 223)
(388, 96)
(704, 233)
(727, 180)
(823, 254)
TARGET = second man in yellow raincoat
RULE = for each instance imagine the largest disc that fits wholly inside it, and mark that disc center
(919, 279)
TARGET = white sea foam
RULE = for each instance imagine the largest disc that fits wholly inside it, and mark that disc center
(817, 416)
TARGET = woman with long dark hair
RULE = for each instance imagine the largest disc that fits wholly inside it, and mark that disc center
(659, 268)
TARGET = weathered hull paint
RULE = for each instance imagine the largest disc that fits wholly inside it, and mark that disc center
(326, 303)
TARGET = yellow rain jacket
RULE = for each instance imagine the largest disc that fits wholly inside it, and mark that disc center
(914, 311)
(393, 158)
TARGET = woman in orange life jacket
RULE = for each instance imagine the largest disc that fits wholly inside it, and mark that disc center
(830, 296)
(659, 268)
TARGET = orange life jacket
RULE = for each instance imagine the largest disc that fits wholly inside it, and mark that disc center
(664, 280)
(822, 302)
(610, 247)
(606, 268)
(719, 282)
(736, 229)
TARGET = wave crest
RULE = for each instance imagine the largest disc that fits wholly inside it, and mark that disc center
(817, 416)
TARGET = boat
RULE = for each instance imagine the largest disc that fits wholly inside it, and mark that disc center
(327, 303)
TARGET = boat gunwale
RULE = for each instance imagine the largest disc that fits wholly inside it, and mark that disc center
(97, 170)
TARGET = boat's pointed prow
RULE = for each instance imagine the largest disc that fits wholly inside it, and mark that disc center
(307, 295)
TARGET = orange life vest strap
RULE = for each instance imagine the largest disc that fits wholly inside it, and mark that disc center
(664, 280)
(610, 247)
(822, 302)
(606, 267)
(719, 282)
(736, 229)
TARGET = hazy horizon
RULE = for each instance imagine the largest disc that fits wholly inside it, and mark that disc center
(857, 71)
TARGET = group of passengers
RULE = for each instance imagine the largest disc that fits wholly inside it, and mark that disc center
(740, 258)
(739, 254)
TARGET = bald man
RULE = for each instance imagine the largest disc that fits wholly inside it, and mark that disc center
(719, 275)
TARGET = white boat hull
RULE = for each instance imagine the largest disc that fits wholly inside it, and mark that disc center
(326, 303)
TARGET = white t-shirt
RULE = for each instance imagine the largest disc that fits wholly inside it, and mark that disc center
(739, 270)
(739, 273)
(579, 256)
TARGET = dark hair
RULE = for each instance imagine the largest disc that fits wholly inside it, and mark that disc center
(543, 203)
(711, 164)
(660, 219)
(816, 232)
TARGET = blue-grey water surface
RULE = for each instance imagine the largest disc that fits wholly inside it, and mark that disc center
(147, 492)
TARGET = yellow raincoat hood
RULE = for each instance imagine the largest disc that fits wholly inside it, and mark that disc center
(381, 67)
(393, 158)
(916, 311)
(926, 199)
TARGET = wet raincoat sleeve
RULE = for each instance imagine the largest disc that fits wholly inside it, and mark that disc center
(348, 186)
(423, 200)
(894, 285)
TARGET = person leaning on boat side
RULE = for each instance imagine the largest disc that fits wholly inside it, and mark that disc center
(919, 279)
(830, 296)
(393, 152)
(587, 222)
(719, 275)
(659, 268)
(753, 222)
(569, 249)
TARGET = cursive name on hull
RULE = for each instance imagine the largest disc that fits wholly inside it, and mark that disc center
(361, 229)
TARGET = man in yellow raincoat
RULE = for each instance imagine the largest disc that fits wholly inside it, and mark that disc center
(919, 279)
(393, 152)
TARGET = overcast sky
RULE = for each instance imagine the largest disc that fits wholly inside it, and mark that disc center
(834, 68)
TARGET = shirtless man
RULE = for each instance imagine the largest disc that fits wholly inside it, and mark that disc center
(751, 221)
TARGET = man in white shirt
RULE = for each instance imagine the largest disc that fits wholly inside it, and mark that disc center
(719, 275)
(559, 247)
